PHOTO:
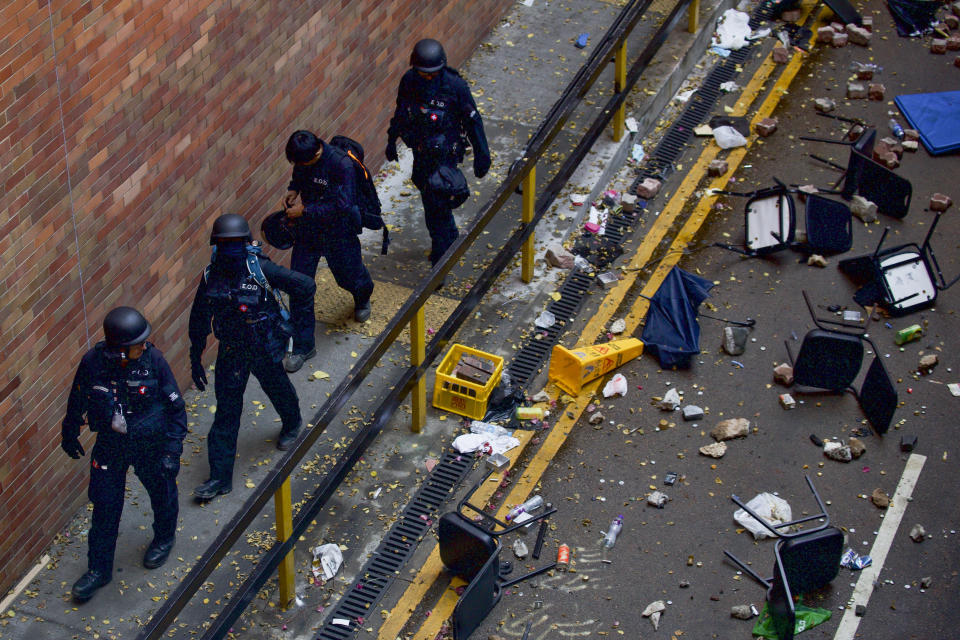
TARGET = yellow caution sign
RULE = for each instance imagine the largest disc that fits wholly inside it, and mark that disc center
(571, 368)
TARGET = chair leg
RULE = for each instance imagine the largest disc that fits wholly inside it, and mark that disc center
(753, 574)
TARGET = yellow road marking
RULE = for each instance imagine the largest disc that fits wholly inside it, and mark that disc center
(571, 414)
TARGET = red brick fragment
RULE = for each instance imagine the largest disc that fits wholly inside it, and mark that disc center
(940, 202)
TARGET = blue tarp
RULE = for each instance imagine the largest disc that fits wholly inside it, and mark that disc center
(936, 116)
(671, 331)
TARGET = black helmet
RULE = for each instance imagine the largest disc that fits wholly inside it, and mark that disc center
(275, 231)
(302, 146)
(125, 326)
(428, 56)
(230, 226)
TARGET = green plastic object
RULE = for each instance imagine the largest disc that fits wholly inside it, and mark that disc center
(807, 618)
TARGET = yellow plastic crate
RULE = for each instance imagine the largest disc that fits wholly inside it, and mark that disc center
(463, 397)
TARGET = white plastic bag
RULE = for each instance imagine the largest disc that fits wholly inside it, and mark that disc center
(616, 387)
(330, 558)
(771, 508)
(733, 29)
(727, 137)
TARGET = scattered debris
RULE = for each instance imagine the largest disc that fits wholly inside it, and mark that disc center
(692, 412)
(596, 418)
(670, 401)
(908, 443)
(735, 340)
(714, 449)
(854, 561)
(857, 448)
(837, 451)
(918, 533)
(787, 401)
(824, 105)
(741, 611)
(558, 256)
(880, 499)
(727, 137)
(617, 386)
(327, 559)
(940, 202)
(541, 396)
(783, 374)
(520, 549)
(657, 499)
(730, 429)
(817, 260)
(773, 509)
(653, 611)
(926, 582)
(717, 168)
(618, 326)
(649, 188)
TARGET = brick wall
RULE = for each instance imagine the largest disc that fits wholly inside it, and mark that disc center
(126, 127)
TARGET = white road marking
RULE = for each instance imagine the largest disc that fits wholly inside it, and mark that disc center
(881, 546)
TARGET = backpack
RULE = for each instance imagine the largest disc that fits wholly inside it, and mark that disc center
(370, 212)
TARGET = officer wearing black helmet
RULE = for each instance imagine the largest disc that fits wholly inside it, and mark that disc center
(126, 392)
(238, 295)
(322, 202)
(435, 112)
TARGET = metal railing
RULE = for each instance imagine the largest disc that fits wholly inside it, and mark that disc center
(412, 379)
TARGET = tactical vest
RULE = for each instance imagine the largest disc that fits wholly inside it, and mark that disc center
(133, 389)
(245, 314)
(435, 127)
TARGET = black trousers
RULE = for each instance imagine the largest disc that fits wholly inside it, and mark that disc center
(112, 455)
(233, 369)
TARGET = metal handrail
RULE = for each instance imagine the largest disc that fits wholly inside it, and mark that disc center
(536, 147)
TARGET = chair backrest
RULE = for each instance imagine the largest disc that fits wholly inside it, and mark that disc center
(811, 561)
(465, 548)
(878, 397)
(478, 599)
(771, 211)
(828, 360)
(878, 184)
(829, 225)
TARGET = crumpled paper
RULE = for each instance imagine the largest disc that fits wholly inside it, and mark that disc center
(470, 442)
(327, 559)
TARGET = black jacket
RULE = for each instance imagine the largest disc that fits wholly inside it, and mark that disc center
(432, 115)
(330, 195)
(146, 390)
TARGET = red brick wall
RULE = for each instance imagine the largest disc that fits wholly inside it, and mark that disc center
(126, 127)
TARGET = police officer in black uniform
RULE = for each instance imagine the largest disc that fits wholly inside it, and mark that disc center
(238, 293)
(130, 399)
(435, 110)
(322, 200)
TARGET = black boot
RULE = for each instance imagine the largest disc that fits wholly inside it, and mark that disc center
(211, 489)
(87, 585)
(287, 438)
(157, 553)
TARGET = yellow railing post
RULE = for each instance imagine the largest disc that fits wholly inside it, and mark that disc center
(693, 16)
(529, 200)
(418, 353)
(284, 510)
(619, 84)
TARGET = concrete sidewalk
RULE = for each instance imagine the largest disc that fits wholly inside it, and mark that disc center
(516, 76)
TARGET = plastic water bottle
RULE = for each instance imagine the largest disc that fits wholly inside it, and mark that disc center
(531, 504)
(610, 537)
(896, 129)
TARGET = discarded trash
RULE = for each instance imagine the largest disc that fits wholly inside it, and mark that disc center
(471, 442)
(618, 326)
(670, 479)
(488, 429)
(608, 279)
(520, 549)
(926, 582)
(631, 124)
(653, 611)
(637, 153)
(837, 451)
(563, 557)
(854, 561)
(532, 504)
(617, 386)
(954, 388)
(729, 86)
(728, 137)
(773, 509)
(670, 401)
(497, 461)
(742, 611)
(545, 320)
(582, 40)
(911, 333)
(596, 418)
(571, 368)
(529, 413)
(703, 130)
(610, 537)
(806, 618)
(730, 429)
(454, 391)
(657, 499)
(908, 443)
(720, 51)
(783, 374)
(815, 440)
(733, 30)
(857, 448)
(327, 559)
(928, 362)
(714, 449)
(735, 340)
(918, 533)
(577, 199)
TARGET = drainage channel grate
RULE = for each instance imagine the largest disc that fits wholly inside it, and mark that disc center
(396, 547)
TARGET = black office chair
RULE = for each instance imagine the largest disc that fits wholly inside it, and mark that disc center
(864, 176)
(830, 360)
(901, 279)
(805, 560)
(470, 550)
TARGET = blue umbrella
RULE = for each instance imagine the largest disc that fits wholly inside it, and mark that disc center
(671, 331)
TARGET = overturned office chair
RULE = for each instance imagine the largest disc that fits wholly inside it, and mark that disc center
(470, 550)
(864, 176)
(804, 561)
(830, 359)
(901, 279)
